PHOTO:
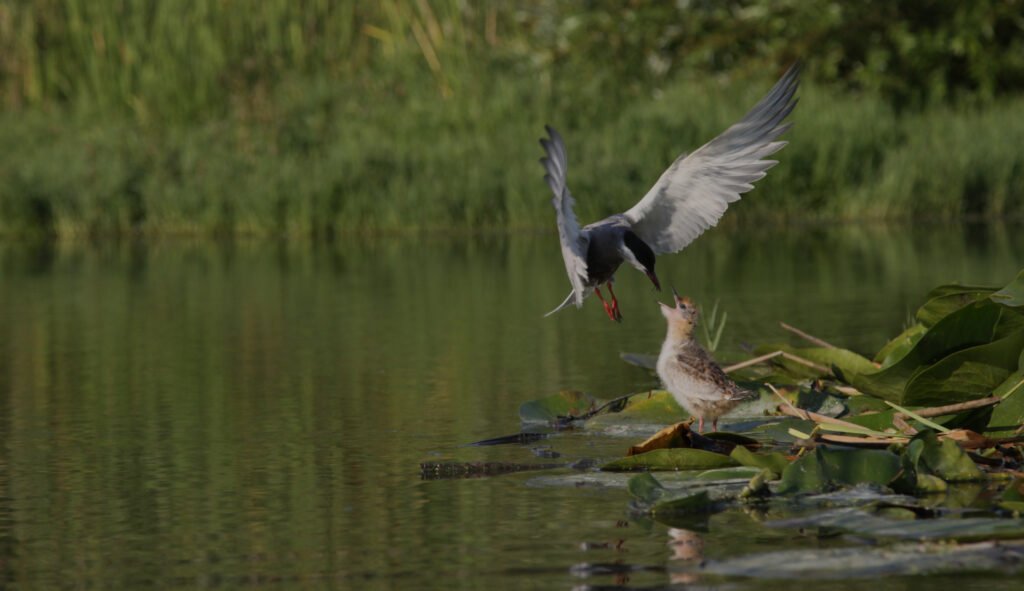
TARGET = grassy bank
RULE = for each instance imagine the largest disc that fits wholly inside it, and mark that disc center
(327, 159)
(312, 118)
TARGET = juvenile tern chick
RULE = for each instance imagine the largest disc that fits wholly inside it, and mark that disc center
(689, 198)
(696, 382)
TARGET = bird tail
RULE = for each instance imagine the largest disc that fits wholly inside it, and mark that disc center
(563, 305)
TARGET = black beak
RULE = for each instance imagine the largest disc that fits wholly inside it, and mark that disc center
(654, 279)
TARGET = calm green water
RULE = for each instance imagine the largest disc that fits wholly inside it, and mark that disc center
(179, 415)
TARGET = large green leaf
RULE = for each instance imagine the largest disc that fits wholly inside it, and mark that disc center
(1011, 321)
(878, 421)
(827, 467)
(1012, 294)
(968, 374)
(969, 326)
(670, 459)
(845, 360)
(946, 299)
(1008, 415)
(895, 349)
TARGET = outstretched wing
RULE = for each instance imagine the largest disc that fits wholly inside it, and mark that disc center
(695, 191)
(574, 242)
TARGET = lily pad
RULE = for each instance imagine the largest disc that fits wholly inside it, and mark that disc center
(928, 464)
(565, 403)
(670, 459)
(774, 461)
(656, 408)
(646, 488)
(696, 503)
(827, 468)
(860, 562)
(864, 523)
(1013, 496)
(735, 473)
(780, 431)
(943, 459)
(733, 438)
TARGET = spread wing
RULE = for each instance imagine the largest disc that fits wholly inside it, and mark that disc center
(574, 241)
(695, 191)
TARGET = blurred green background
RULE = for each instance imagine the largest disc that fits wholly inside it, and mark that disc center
(310, 118)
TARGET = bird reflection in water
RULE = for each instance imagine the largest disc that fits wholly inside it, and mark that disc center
(685, 546)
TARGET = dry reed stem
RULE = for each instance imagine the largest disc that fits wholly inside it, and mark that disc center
(804, 335)
(938, 411)
(773, 355)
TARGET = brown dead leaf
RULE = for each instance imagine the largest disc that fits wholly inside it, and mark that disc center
(968, 439)
(671, 436)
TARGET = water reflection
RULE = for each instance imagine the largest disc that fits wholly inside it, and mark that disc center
(199, 415)
(687, 547)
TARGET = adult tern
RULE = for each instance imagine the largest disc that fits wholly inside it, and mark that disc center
(689, 198)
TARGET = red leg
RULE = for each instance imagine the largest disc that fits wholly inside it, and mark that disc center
(607, 308)
(700, 424)
(615, 303)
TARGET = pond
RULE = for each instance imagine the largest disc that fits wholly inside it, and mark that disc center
(203, 415)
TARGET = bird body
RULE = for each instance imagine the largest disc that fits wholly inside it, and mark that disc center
(689, 373)
(612, 242)
(689, 197)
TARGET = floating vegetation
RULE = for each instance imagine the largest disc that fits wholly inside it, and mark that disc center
(919, 449)
(446, 470)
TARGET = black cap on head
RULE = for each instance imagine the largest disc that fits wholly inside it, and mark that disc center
(643, 254)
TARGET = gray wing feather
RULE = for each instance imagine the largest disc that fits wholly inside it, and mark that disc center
(695, 191)
(573, 240)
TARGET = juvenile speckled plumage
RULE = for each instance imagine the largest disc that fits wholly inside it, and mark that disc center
(696, 382)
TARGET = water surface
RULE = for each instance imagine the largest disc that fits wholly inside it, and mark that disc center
(201, 415)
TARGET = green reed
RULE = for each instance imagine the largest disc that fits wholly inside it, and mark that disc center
(323, 163)
(312, 118)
